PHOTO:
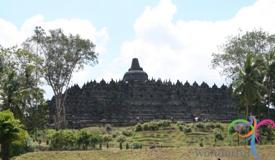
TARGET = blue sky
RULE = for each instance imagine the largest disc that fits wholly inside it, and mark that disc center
(117, 15)
(172, 38)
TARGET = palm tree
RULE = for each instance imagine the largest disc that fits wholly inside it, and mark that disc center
(248, 84)
(269, 77)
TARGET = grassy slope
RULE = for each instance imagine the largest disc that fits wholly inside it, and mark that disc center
(182, 153)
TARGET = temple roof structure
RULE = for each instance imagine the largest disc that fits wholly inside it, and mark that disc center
(135, 73)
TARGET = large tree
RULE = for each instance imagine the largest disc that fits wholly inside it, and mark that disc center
(248, 85)
(254, 50)
(62, 55)
(234, 51)
(19, 84)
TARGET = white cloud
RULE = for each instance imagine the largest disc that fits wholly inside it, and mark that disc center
(179, 49)
(11, 35)
(167, 48)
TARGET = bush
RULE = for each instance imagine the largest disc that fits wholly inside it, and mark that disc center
(180, 127)
(108, 128)
(137, 145)
(138, 127)
(187, 130)
(63, 140)
(210, 126)
(21, 146)
(127, 133)
(121, 140)
(200, 125)
(201, 143)
(83, 139)
(153, 125)
(70, 140)
(218, 135)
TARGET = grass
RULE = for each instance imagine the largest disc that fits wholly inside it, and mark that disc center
(266, 152)
(167, 143)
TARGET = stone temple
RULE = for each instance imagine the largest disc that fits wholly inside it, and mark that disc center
(136, 99)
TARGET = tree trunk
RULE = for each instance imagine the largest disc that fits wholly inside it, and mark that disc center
(269, 97)
(60, 111)
(58, 103)
(5, 151)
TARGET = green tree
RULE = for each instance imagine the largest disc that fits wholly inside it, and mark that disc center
(62, 55)
(121, 140)
(268, 68)
(10, 130)
(234, 52)
(20, 84)
(248, 85)
(233, 63)
(107, 139)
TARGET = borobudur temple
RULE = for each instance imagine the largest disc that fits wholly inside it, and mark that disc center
(135, 98)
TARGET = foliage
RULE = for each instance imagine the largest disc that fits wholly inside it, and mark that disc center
(248, 85)
(248, 60)
(235, 50)
(218, 134)
(153, 125)
(11, 132)
(137, 145)
(74, 139)
(63, 140)
(106, 139)
(20, 92)
(108, 128)
(127, 133)
(61, 55)
(138, 127)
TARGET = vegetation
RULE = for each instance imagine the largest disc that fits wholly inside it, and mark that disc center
(61, 56)
(248, 61)
(19, 87)
(11, 131)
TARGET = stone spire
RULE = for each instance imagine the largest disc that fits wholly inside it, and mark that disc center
(135, 72)
(135, 65)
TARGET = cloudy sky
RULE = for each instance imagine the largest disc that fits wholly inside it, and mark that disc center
(173, 39)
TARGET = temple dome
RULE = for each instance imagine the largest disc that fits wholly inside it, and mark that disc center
(135, 73)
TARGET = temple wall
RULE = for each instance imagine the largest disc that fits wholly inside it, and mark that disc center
(121, 102)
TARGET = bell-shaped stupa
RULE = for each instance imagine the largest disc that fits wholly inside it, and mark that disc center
(135, 73)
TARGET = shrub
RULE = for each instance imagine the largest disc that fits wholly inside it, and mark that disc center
(187, 130)
(121, 140)
(138, 127)
(21, 146)
(180, 127)
(153, 125)
(127, 133)
(164, 123)
(63, 140)
(218, 135)
(201, 142)
(107, 139)
(218, 125)
(210, 126)
(200, 125)
(137, 145)
(108, 128)
(83, 139)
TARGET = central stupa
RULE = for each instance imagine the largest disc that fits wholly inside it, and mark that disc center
(135, 73)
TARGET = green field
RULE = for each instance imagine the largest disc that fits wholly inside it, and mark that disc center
(182, 153)
(177, 141)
